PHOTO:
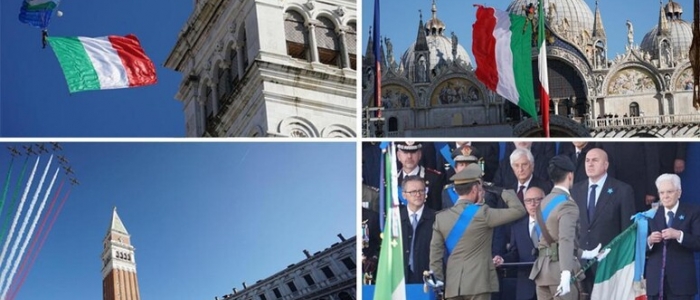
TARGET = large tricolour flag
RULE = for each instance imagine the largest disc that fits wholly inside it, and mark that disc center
(502, 51)
(109, 62)
(615, 277)
(391, 284)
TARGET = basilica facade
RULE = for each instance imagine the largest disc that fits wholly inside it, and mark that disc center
(261, 68)
(432, 90)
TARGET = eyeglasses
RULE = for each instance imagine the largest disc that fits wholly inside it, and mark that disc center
(415, 193)
(533, 200)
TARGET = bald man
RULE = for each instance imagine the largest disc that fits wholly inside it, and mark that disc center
(605, 206)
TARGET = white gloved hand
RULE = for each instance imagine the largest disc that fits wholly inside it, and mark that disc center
(565, 283)
(603, 254)
(589, 254)
(433, 284)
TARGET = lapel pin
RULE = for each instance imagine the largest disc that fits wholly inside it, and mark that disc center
(610, 191)
(681, 217)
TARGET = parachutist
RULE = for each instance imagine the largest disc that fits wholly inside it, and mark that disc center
(44, 35)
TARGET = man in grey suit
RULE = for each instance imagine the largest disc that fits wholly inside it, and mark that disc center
(464, 231)
(558, 217)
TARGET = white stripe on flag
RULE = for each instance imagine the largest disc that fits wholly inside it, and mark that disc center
(107, 63)
(504, 57)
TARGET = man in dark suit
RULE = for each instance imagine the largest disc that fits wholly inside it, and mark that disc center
(523, 239)
(675, 235)
(672, 157)
(417, 229)
(605, 207)
(522, 162)
(542, 153)
(409, 154)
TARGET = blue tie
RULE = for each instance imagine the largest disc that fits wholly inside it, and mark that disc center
(591, 203)
(670, 219)
(414, 224)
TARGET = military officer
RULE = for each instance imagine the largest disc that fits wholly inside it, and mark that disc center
(464, 232)
(557, 219)
(409, 154)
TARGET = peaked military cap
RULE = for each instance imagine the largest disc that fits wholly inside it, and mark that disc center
(409, 146)
(471, 173)
(562, 162)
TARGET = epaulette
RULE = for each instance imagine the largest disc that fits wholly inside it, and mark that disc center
(436, 172)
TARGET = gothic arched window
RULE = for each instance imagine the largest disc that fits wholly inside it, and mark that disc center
(393, 124)
(209, 102)
(224, 86)
(327, 43)
(351, 44)
(233, 69)
(634, 109)
(297, 35)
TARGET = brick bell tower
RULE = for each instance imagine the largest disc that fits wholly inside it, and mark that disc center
(119, 281)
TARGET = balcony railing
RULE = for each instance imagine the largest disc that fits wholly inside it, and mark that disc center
(626, 122)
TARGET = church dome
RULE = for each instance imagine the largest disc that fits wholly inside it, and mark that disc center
(680, 33)
(439, 45)
(440, 50)
(568, 18)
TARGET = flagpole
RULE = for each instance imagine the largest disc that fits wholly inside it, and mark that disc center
(377, 60)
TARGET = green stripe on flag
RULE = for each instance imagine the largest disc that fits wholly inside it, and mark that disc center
(621, 254)
(390, 270)
(77, 68)
(522, 63)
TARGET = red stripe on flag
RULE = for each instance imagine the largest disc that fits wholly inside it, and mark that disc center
(484, 47)
(139, 68)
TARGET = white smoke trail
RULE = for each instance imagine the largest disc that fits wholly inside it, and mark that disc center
(17, 214)
(29, 236)
(24, 224)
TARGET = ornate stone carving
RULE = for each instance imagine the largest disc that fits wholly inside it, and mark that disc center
(456, 90)
(340, 11)
(685, 80)
(297, 133)
(232, 27)
(394, 96)
(631, 81)
(310, 5)
(219, 46)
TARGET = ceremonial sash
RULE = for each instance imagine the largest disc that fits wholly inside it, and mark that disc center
(462, 223)
(548, 209)
(447, 155)
(453, 194)
(402, 200)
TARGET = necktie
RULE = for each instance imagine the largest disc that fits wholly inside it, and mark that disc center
(591, 203)
(520, 192)
(414, 224)
(533, 234)
(577, 154)
(663, 257)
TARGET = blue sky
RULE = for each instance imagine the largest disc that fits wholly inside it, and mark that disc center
(400, 20)
(203, 217)
(35, 98)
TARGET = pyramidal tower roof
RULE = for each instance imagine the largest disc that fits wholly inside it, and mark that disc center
(116, 224)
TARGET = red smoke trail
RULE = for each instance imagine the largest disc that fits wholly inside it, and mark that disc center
(13, 293)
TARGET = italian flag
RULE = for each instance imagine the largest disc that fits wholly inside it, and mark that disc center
(502, 51)
(101, 63)
(391, 284)
(614, 278)
(542, 66)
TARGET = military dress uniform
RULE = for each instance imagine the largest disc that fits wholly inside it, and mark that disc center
(470, 272)
(563, 253)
